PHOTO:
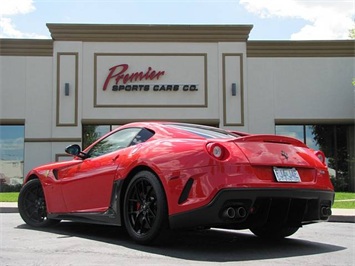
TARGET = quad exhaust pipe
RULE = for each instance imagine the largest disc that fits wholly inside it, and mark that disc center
(326, 211)
(232, 213)
(241, 212)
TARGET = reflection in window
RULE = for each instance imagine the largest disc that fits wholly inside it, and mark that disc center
(11, 157)
(296, 132)
(310, 138)
(208, 133)
(337, 143)
(116, 141)
(120, 139)
(91, 133)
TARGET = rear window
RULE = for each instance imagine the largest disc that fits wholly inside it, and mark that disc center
(204, 131)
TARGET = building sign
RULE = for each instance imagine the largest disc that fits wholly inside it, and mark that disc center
(150, 80)
(121, 74)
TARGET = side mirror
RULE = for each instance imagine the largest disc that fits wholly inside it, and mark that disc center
(75, 150)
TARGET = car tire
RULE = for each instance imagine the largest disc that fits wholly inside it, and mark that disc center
(145, 209)
(32, 205)
(274, 232)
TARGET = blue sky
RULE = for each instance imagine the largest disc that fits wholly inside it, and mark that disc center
(272, 19)
(11, 142)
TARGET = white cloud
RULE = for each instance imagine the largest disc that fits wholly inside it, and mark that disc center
(11, 144)
(11, 149)
(326, 19)
(14, 7)
(10, 8)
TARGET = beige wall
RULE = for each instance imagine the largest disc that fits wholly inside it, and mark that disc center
(299, 89)
(277, 82)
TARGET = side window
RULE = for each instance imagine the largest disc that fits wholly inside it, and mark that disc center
(118, 140)
(142, 136)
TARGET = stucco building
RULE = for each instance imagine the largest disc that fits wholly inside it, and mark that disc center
(89, 78)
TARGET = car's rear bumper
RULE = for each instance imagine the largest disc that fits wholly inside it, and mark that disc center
(246, 208)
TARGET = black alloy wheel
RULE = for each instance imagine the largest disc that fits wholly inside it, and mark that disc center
(145, 208)
(32, 205)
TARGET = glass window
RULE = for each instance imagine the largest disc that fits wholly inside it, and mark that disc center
(294, 131)
(337, 143)
(118, 140)
(91, 133)
(11, 157)
(310, 138)
(205, 132)
(142, 136)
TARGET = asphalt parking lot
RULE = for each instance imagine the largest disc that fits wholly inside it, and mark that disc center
(69, 243)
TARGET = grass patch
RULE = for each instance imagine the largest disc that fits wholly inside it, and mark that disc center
(344, 195)
(341, 200)
(344, 205)
(9, 196)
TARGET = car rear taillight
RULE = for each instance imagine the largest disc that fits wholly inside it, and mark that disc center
(217, 151)
(320, 155)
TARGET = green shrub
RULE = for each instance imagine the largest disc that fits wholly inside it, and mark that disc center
(10, 188)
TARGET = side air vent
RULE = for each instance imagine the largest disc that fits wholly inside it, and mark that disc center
(185, 192)
(55, 173)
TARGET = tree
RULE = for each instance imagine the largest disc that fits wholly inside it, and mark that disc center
(89, 135)
(352, 36)
(352, 33)
(332, 140)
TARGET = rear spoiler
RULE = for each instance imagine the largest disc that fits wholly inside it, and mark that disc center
(239, 133)
(271, 139)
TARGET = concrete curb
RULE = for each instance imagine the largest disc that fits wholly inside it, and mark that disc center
(8, 209)
(343, 215)
(342, 219)
(339, 215)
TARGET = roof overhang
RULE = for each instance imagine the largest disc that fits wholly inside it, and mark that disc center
(149, 33)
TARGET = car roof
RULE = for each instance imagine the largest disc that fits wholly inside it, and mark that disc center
(182, 130)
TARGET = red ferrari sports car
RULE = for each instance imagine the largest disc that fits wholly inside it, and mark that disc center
(153, 176)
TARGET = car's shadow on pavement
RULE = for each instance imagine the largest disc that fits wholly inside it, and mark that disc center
(203, 245)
